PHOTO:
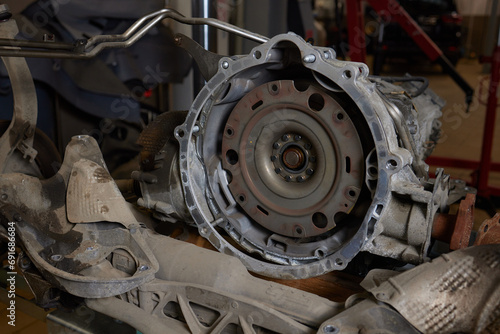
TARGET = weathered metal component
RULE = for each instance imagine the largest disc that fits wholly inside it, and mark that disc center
(314, 140)
(239, 175)
(70, 255)
(489, 231)
(16, 144)
(213, 293)
(368, 316)
(437, 297)
(306, 173)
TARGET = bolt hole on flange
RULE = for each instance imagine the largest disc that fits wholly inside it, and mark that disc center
(316, 102)
(232, 157)
(392, 164)
(180, 133)
(319, 220)
(257, 54)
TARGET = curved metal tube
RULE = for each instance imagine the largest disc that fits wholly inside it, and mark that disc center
(130, 36)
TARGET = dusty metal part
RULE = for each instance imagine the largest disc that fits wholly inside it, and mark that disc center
(16, 144)
(300, 163)
(136, 317)
(190, 264)
(70, 255)
(457, 292)
(211, 292)
(93, 196)
(368, 316)
(226, 177)
(489, 231)
(159, 176)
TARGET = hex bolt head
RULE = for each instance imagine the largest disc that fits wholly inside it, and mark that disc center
(278, 170)
(312, 159)
(288, 178)
(309, 171)
(301, 179)
(274, 157)
(225, 64)
(276, 145)
(285, 137)
(307, 146)
(297, 137)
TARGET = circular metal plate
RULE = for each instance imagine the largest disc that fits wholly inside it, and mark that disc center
(295, 158)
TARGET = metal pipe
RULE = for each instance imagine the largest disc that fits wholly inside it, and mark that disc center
(130, 36)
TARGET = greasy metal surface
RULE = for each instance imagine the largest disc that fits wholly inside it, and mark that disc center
(296, 159)
(457, 292)
(489, 231)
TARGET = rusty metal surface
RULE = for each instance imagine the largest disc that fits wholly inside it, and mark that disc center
(300, 164)
(465, 221)
(456, 229)
(489, 231)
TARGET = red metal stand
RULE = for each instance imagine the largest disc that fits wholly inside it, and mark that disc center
(483, 167)
(390, 10)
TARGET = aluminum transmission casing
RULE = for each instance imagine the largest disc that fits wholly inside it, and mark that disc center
(304, 161)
